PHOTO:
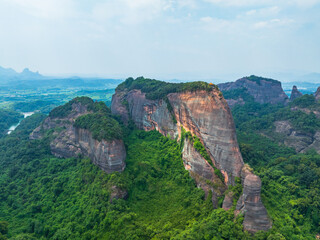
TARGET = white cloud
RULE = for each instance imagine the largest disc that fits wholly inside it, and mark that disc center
(273, 23)
(264, 12)
(48, 9)
(220, 25)
(250, 3)
(130, 12)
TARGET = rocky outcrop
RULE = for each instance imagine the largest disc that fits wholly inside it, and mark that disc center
(202, 172)
(206, 115)
(317, 94)
(255, 214)
(295, 93)
(69, 141)
(263, 90)
(299, 140)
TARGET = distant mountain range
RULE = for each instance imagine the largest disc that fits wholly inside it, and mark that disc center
(27, 79)
(8, 74)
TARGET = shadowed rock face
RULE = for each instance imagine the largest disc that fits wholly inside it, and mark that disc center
(206, 115)
(263, 90)
(201, 171)
(295, 93)
(317, 94)
(72, 142)
(255, 214)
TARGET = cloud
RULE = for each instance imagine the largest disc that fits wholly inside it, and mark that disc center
(251, 3)
(130, 12)
(48, 9)
(264, 12)
(220, 25)
(273, 23)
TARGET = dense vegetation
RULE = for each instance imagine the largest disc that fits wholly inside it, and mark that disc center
(98, 121)
(155, 89)
(306, 101)
(238, 93)
(8, 118)
(64, 110)
(40, 105)
(290, 181)
(43, 197)
(102, 126)
(258, 80)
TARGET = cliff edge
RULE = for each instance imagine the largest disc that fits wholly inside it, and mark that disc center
(262, 90)
(73, 134)
(197, 115)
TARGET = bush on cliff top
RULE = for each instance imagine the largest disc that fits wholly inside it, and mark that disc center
(102, 126)
(258, 80)
(155, 89)
(99, 122)
(65, 110)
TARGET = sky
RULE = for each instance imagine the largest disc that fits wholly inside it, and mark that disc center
(162, 39)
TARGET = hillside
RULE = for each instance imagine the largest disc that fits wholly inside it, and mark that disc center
(277, 143)
(184, 177)
(253, 88)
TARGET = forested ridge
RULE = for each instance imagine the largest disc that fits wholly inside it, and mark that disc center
(290, 181)
(44, 197)
(8, 118)
(156, 89)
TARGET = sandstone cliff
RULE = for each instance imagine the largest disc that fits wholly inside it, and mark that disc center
(263, 90)
(205, 114)
(295, 93)
(70, 141)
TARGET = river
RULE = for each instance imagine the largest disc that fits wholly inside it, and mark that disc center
(25, 115)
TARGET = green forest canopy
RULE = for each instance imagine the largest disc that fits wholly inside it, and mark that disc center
(155, 89)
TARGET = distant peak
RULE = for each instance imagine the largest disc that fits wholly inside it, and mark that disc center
(257, 79)
(295, 93)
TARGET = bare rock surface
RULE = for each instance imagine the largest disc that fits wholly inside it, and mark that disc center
(317, 94)
(295, 93)
(262, 90)
(202, 172)
(300, 141)
(250, 204)
(69, 141)
(205, 114)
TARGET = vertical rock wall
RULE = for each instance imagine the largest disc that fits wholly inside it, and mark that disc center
(206, 115)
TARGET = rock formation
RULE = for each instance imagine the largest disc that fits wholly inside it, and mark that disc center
(295, 93)
(255, 214)
(204, 114)
(297, 139)
(263, 90)
(317, 94)
(69, 141)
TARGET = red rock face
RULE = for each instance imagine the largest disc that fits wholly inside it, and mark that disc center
(202, 172)
(71, 142)
(206, 115)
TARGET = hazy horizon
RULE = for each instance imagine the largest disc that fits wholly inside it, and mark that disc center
(163, 39)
